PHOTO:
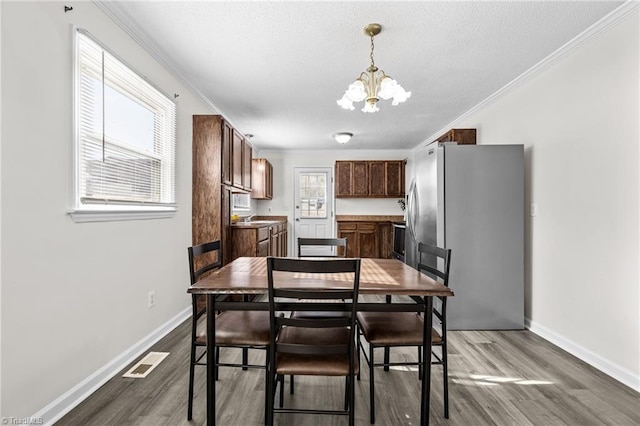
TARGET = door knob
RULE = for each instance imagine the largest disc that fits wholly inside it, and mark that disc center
(297, 219)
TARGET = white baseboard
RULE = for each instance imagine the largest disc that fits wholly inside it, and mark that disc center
(619, 373)
(74, 396)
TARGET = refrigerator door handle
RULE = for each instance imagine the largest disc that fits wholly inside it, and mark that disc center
(412, 210)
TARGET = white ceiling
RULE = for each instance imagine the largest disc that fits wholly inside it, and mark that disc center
(276, 69)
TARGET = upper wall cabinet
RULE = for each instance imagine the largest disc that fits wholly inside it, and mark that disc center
(247, 164)
(238, 163)
(461, 136)
(227, 141)
(370, 179)
(262, 182)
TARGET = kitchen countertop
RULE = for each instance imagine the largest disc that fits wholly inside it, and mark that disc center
(259, 222)
(369, 218)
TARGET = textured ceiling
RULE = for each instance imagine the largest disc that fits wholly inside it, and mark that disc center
(276, 69)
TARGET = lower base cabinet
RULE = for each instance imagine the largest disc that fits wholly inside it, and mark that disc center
(367, 239)
(261, 241)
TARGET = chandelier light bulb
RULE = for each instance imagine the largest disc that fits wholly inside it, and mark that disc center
(345, 102)
(373, 84)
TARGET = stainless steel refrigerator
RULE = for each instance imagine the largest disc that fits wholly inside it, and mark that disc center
(470, 199)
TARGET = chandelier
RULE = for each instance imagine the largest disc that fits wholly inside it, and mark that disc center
(373, 85)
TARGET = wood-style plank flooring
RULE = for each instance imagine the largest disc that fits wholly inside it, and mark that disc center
(496, 378)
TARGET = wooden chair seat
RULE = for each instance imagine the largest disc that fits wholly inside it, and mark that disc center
(241, 328)
(314, 365)
(394, 328)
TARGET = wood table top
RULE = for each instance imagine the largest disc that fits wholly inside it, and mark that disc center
(248, 275)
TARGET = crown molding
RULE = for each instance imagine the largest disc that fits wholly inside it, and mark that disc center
(604, 24)
(130, 27)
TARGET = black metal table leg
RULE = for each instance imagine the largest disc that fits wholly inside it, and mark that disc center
(426, 360)
(211, 360)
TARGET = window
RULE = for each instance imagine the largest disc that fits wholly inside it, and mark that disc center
(313, 195)
(125, 139)
(241, 202)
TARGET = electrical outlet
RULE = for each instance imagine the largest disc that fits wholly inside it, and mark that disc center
(151, 299)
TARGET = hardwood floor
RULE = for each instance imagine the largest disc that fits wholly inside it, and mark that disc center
(496, 378)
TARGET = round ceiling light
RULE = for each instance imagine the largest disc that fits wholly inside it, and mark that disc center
(342, 137)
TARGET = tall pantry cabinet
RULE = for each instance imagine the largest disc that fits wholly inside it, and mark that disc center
(221, 164)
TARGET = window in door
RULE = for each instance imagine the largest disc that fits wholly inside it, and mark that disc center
(313, 195)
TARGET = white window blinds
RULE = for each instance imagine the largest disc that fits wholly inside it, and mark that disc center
(125, 148)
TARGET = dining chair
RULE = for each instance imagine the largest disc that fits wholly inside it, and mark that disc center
(390, 329)
(235, 329)
(312, 346)
(336, 243)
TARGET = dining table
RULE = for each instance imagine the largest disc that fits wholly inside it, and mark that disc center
(385, 277)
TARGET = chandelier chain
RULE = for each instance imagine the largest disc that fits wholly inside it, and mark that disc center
(372, 64)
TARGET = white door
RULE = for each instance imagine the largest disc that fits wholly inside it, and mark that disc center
(313, 208)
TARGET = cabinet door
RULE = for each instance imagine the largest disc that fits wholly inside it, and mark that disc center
(247, 155)
(394, 181)
(360, 178)
(275, 244)
(284, 241)
(268, 180)
(350, 232)
(385, 234)
(377, 179)
(236, 169)
(263, 248)
(368, 240)
(344, 172)
(227, 140)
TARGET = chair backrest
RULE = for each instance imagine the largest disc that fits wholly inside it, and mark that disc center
(438, 270)
(333, 242)
(204, 258)
(286, 288)
(433, 268)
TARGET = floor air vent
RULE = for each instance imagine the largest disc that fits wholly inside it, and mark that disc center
(143, 367)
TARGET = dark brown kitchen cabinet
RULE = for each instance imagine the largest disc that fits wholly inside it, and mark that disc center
(377, 179)
(247, 156)
(394, 178)
(208, 134)
(214, 172)
(251, 241)
(367, 239)
(227, 140)
(370, 179)
(262, 182)
(259, 240)
(461, 136)
(385, 237)
(344, 174)
(352, 178)
(362, 238)
(237, 159)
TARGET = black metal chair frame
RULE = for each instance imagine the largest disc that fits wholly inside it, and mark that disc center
(334, 242)
(289, 300)
(439, 312)
(197, 313)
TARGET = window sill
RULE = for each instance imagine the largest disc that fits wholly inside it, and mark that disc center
(83, 216)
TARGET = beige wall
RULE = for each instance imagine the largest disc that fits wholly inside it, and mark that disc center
(74, 296)
(579, 122)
